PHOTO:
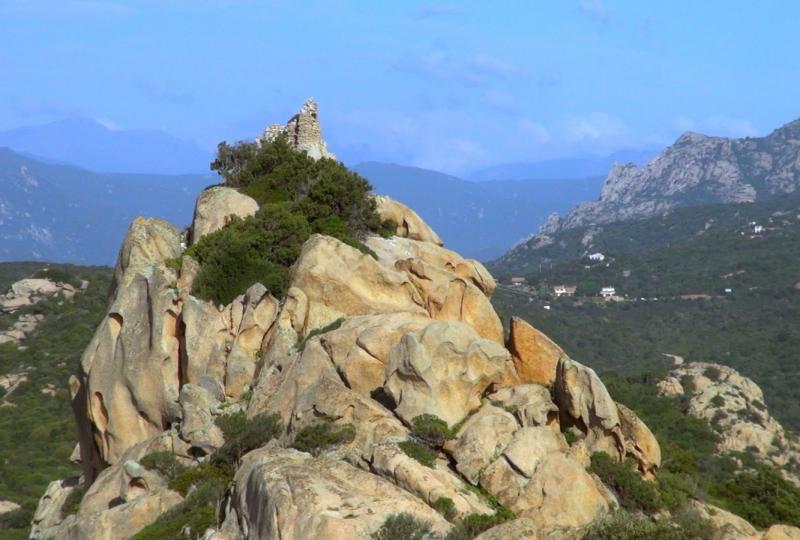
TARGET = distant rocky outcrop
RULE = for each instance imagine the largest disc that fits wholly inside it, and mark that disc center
(696, 169)
(29, 292)
(734, 406)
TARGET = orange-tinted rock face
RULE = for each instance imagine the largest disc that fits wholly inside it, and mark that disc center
(535, 355)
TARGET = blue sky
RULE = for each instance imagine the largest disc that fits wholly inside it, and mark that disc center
(449, 86)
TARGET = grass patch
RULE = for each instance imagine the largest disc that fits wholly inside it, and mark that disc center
(419, 451)
(403, 527)
(243, 435)
(321, 435)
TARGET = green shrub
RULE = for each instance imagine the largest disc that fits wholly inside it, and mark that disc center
(244, 436)
(419, 451)
(298, 196)
(634, 492)
(403, 527)
(17, 519)
(73, 501)
(713, 373)
(335, 325)
(164, 462)
(446, 507)
(625, 526)
(761, 496)
(570, 436)
(431, 430)
(260, 249)
(321, 435)
(195, 476)
(718, 401)
(190, 518)
(474, 524)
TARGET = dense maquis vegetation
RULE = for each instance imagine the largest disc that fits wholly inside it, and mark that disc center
(297, 196)
(690, 467)
(698, 251)
(37, 433)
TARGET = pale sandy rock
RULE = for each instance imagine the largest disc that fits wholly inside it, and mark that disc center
(530, 445)
(516, 529)
(444, 370)
(289, 495)
(428, 484)
(120, 522)
(190, 268)
(197, 427)
(14, 303)
(34, 286)
(450, 287)
(535, 355)
(214, 209)
(257, 310)
(727, 526)
(670, 387)
(360, 347)
(206, 338)
(481, 440)
(409, 224)
(782, 532)
(734, 405)
(48, 516)
(128, 383)
(531, 404)
(560, 495)
(339, 281)
(640, 443)
(584, 402)
(8, 506)
(308, 388)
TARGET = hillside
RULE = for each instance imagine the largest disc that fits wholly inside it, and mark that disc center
(697, 169)
(37, 433)
(717, 227)
(674, 271)
(480, 219)
(63, 213)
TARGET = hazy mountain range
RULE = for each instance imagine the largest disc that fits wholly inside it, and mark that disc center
(478, 219)
(59, 212)
(91, 145)
(578, 167)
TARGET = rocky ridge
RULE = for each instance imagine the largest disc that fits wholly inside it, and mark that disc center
(696, 169)
(734, 405)
(364, 343)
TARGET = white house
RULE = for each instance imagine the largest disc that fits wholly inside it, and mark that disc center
(518, 281)
(608, 292)
(599, 257)
(758, 229)
(564, 290)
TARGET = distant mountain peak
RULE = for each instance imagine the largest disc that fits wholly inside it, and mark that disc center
(90, 144)
(696, 169)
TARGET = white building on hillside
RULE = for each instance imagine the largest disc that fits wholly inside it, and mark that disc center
(608, 292)
(599, 257)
